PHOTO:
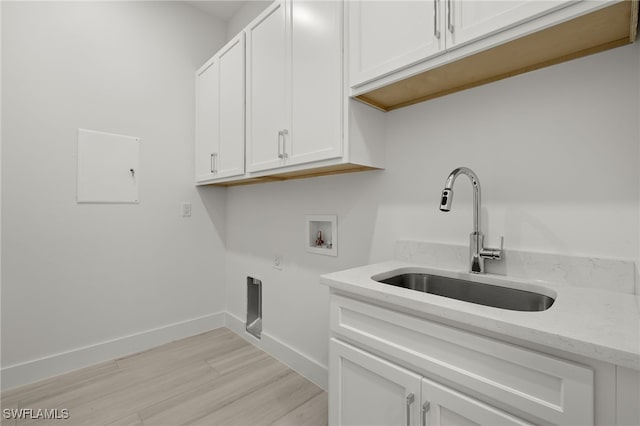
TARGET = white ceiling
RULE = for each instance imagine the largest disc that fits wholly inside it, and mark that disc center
(223, 10)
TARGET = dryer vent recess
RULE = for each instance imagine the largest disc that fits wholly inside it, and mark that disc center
(254, 307)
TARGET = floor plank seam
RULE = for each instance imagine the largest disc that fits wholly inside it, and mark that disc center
(280, 376)
(169, 398)
(297, 406)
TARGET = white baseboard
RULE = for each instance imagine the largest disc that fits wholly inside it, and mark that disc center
(53, 365)
(302, 364)
(32, 371)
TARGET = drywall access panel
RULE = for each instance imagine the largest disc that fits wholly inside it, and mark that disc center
(108, 167)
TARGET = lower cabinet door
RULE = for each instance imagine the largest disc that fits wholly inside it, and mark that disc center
(442, 406)
(366, 390)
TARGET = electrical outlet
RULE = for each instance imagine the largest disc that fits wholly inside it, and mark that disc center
(186, 209)
(277, 261)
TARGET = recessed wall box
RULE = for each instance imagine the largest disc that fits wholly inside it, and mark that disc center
(321, 235)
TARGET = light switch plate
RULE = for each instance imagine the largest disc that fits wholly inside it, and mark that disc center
(186, 209)
(277, 261)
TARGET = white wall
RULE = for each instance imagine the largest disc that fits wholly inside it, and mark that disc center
(244, 15)
(556, 151)
(77, 275)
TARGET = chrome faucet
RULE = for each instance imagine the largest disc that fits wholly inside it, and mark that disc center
(477, 252)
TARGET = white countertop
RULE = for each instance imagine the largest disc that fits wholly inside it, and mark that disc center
(599, 324)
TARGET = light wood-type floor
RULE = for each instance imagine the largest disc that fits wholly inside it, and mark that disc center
(215, 378)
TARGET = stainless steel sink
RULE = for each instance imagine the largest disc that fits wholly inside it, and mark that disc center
(474, 292)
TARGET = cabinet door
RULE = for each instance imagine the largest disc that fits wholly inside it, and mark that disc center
(230, 158)
(367, 390)
(316, 82)
(467, 21)
(386, 36)
(443, 406)
(207, 120)
(266, 88)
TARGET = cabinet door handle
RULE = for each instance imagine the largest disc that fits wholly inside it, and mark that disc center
(449, 21)
(436, 30)
(285, 132)
(214, 162)
(425, 410)
(410, 398)
(280, 139)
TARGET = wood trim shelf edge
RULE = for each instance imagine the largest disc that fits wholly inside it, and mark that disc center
(299, 174)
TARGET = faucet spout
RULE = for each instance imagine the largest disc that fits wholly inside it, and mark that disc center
(477, 251)
(447, 194)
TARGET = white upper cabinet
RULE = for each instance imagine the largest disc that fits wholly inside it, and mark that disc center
(388, 35)
(299, 119)
(469, 20)
(316, 82)
(294, 85)
(220, 114)
(402, 53)
(231, 111)
(207, 118)
(267, 88)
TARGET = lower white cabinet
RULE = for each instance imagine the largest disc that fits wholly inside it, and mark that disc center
(387, 367)
(443, 406)
(368, 390)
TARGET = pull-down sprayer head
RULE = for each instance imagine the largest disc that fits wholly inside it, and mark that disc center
(447, 199)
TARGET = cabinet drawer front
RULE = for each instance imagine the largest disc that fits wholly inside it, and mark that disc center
(548, 388)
